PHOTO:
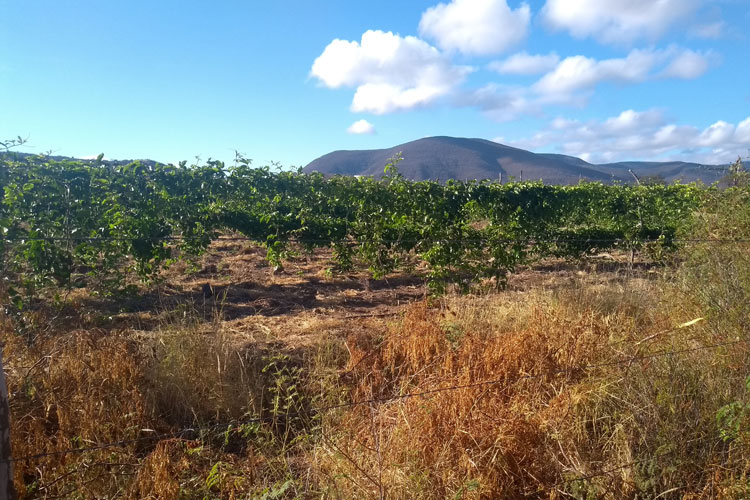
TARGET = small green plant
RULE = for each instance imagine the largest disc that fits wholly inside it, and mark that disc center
(213, 480)
(278, 490)
(733, 419)
(471, 485)
(286, 405)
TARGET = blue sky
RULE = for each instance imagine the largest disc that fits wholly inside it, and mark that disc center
(288, 81)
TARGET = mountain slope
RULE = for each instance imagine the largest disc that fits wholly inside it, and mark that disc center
(442, 158)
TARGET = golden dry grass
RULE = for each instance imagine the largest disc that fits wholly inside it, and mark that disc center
(583, 400)
(581, 387)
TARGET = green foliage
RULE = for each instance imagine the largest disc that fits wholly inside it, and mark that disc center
(275, 491)
(737, 175)
(69, 224)
(9, 144)
(716, 268)
(732, 420)
(214, 477)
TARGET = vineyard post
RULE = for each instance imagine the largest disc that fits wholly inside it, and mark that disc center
(7, 492)
(640, 219)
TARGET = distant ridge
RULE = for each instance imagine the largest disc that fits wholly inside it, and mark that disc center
(443, 158)
(16, 155)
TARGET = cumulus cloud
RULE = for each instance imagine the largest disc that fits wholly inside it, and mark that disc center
(742, 132)
(571, 81)
(629, 122)
(687, 65)
(641, 135)
(389, 72)
(616, 21)
(500, 103)
(525, 64)
(580, 72)
(711, 30)
(361, 127)
(717, 134)
(477, 27)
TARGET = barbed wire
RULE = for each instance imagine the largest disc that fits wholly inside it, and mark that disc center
(627, 465)
(225, 426)
(383, 240)
(616, 468)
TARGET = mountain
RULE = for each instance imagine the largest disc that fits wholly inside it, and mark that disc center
(15, 155)
(443, 158)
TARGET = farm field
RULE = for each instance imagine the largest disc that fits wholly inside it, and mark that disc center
(485, 341)
(424, 250)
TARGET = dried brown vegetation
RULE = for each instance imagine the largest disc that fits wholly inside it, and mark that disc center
(579, 385)
(573, 383)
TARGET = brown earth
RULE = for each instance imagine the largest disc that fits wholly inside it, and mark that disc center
(233, 285)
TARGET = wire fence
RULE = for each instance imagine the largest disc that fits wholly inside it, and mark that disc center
(198, 432)
(153, 435)
(302, 241)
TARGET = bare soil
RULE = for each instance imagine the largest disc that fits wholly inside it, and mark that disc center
(233, 287)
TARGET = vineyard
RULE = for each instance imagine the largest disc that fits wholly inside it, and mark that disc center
(62, 220)
(231, 331)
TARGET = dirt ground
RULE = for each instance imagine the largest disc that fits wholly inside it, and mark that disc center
(233, 288)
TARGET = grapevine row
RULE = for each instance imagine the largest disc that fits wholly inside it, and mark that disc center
(70, 224)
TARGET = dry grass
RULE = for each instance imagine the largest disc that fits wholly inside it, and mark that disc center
(93, 387)
(585, 400)
(581, 389)
(74, 392)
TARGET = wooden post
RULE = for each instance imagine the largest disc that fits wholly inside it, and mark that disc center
(7, 491)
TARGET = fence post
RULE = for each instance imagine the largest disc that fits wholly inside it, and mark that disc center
(7, 491)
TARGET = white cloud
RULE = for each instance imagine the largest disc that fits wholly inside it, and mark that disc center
(525, 64)
(645, 135)
(711, 30)
(572, 81)
(500, 103)
(687, 65)
(390, 72)
(717, 134)
(361, 127)
(616, 21)
(630, 121)
(580, 72)
(382, 98)
(577, 73)
(478, 27)
(742, 132)
(561, 123)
